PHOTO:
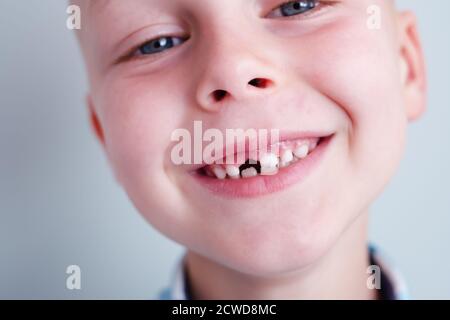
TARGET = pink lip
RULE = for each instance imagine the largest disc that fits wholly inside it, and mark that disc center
(263, 185)
(231, 149)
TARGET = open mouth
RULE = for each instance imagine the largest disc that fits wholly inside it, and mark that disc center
(280, 156)
(267, 173)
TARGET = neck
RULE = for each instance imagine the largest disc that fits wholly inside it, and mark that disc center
(339, 274)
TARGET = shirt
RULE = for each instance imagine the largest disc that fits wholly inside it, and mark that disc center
(393, 286)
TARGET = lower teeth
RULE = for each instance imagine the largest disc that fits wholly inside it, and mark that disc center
(248, 165)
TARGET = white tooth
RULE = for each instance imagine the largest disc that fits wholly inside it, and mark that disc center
(219, 172)
(284, 164)
(286, 158)
(249, 172)
(301, 151)
(269, 160)
(233, 171)
(265, 171)
(269, 164)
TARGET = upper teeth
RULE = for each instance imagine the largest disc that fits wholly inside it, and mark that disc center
(286, 158)
(269, 163)
(301, 151)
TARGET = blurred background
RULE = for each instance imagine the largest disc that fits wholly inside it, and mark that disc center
(60, 205)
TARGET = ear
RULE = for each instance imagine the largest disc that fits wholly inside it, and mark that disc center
(412, 64)
(94, 121)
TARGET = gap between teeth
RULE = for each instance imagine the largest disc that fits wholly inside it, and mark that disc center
(270, 164)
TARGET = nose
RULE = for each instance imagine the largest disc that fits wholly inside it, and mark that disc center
(234, 72)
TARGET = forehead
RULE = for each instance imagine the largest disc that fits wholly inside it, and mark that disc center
(118, 9)
(102, 3)
(115, 15)
(97, 6)
(105, 12)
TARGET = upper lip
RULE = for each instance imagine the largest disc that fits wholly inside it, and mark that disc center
(230, 149)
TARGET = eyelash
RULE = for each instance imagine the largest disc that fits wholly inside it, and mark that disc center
(319, 5)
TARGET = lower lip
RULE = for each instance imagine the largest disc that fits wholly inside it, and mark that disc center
(264, 185)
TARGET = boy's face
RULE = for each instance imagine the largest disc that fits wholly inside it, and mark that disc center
(327, 71)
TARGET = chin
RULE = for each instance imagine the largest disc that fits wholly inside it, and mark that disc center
(270, 250)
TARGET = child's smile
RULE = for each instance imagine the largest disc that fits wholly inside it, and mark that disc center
(285, 163)
(340, 94)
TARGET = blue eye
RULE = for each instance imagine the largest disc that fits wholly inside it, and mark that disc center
(159, 45)
(293, 8)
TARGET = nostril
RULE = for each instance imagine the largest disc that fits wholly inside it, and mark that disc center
(219, 95)
(259, 83)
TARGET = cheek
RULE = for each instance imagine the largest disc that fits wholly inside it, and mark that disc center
(357, 69)
(138, 118)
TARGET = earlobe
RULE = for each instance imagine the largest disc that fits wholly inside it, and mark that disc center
(412, 66)
(97, 128)
(94, 121)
